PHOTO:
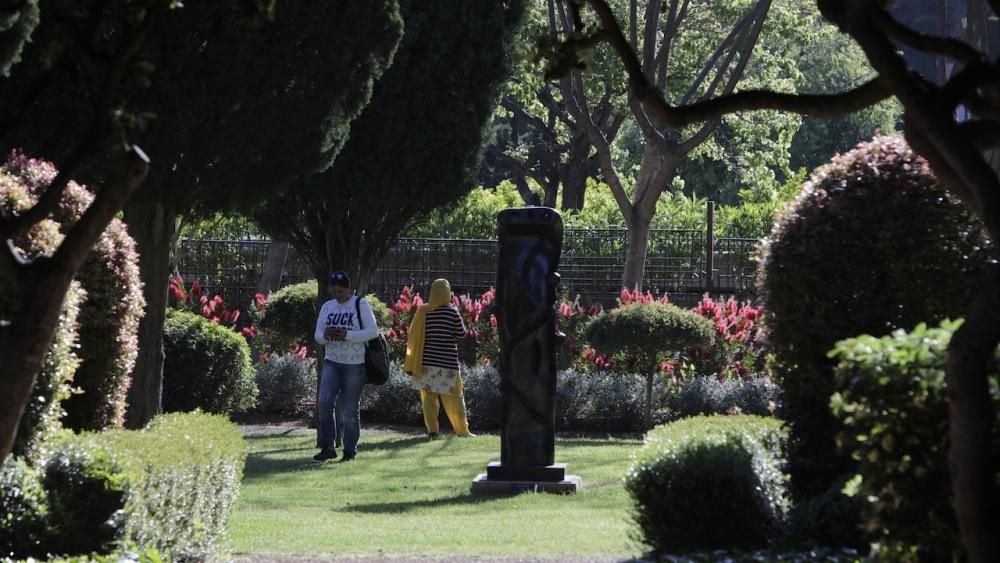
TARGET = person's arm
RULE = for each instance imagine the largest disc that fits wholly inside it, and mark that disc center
(368, 319)
(460, 330)
(320, 335)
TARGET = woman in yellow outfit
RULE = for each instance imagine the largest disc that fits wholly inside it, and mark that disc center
(432, 359)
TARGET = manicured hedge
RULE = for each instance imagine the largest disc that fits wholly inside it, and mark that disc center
(206, 366)
(169, 488)
(709, 483)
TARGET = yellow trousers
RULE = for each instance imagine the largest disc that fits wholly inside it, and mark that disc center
(454, 407)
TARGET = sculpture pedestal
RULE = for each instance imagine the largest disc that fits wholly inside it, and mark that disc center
(509, 479)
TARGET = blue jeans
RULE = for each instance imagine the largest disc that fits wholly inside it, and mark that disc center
(345, 380)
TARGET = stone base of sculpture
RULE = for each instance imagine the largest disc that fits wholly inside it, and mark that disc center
(507, 479)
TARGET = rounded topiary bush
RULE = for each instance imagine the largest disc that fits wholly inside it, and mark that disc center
(873, 243)
(206, 366)
(645, 333)
(289, 315)
(21, 181)
(286, 384)
(709, 483)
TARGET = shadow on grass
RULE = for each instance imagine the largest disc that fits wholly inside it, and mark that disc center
(398, 507)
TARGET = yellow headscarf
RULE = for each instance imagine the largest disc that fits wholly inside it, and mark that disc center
(440, 295)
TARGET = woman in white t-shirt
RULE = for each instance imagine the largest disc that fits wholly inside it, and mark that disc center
(338, 329)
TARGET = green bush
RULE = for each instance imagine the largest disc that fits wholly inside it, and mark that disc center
(893, 405)
(86, 490)
(289, 316)
(206, 366)
(709, 483)
(184, 473)
(395, 401)
(23, 510)
(290, 313)
(877, 223)
(286, 384)
(709, 395)
(600, 401)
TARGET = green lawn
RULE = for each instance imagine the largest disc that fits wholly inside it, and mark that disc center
(407, 496)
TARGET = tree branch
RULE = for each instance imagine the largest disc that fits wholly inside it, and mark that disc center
(946, 46)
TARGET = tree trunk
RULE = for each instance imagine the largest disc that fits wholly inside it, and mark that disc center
(970, 416)
(24, 343)
(574, 187)
(274, 267)
(154, 227)
(635, 254)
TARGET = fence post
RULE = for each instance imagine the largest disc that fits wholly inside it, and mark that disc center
(710, 245)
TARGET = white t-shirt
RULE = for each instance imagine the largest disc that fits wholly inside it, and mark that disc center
(334, 314)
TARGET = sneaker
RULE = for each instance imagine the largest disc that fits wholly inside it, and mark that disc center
(325, 454)
(433, 435)
(348, 456)
(467, 435)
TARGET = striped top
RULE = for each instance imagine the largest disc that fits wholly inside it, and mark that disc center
(444, 328)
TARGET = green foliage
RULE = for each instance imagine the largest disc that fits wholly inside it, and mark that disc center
(702, 395)
(286, 383)
(877, 221)
(474, 216)
(206, 366)
(645, 331)
(289, 316)
(887, 385)
(601, 401)
(832, 63)
(184, 474)
(709, 483)
(221, 226)
(414, 148)
(17, 21)
(23, 509)
(86, 490)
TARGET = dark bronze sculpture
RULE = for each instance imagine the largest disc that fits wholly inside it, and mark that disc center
(527, 285)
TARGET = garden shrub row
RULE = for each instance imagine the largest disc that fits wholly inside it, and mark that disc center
(585, 401)
(709, 483)
(170, 487)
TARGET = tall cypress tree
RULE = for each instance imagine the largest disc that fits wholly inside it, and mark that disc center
(415, 147)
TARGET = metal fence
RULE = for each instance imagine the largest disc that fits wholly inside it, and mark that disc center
(591, 265)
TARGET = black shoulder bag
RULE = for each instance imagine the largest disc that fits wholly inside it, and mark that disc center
(376, 354)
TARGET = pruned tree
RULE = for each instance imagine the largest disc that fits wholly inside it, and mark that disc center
(414, 148)
(954, 143)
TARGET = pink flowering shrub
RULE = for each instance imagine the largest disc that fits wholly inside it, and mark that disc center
(739, 348)
(109, 278)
